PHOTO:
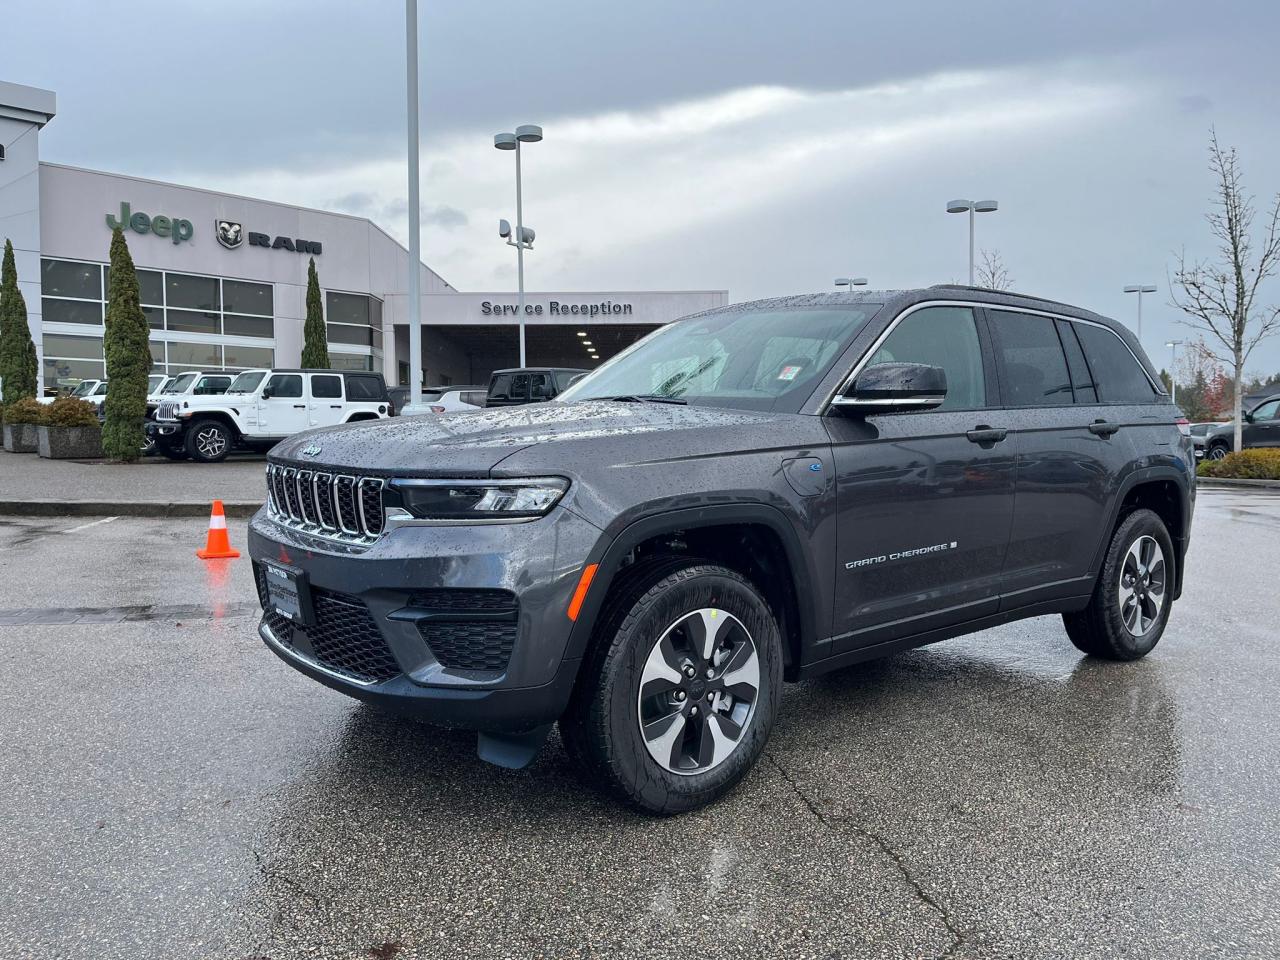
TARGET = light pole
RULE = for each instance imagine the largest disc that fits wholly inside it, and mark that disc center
(1140, 289)
(971, 207)
(528, 133)
(851, 282)
(1173, 368)
(414, 404)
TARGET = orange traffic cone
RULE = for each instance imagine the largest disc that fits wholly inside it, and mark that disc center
(217, 546)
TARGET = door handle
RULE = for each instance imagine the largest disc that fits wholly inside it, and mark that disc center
(984, 434)
(335, 406)
(299, 406)
(1103, 428)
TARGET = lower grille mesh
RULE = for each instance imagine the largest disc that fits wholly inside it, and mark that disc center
(344, 637)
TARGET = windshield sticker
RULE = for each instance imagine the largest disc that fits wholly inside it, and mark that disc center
(789, 372)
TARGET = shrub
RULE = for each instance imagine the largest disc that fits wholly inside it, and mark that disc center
(315, 343)
(124, 344)
(1259, 464)
(17, 352)
(71, 412)
(26, 410)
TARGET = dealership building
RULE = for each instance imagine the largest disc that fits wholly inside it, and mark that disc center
(223, 279)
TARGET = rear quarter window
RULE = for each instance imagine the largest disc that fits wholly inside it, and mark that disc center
(365, 388)
(1118, 375)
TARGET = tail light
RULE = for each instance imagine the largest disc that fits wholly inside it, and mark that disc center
(1184, 426)
(437, 409)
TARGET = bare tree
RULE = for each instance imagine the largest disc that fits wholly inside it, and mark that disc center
(1219, 295)
(991, 272)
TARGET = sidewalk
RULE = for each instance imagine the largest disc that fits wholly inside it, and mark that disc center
(33, 486)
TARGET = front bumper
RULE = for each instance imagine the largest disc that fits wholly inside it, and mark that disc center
(380, 609)
(162, 429)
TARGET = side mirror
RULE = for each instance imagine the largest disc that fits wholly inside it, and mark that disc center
(266, 394)
(886, 387)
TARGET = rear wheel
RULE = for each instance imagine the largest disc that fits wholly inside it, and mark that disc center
(1132, 598)
(208, 441)
(679, 695)
(1217, 451)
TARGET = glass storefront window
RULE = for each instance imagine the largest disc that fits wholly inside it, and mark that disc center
(237, 356)
(150, 287)
(58, 345)
(191, 322)
(70, 311)
(191, 292)
(67, 373)
(194, 355)
(347, 308)
(155, 317)
(341, 333)
(64, 278)
(350, 361)
(235, 325)
(239, 296)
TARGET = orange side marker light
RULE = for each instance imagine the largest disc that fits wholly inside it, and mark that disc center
(580, 594)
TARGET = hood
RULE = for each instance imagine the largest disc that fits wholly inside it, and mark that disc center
(472, 444)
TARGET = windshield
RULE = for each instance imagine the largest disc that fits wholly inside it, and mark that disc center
(153, 383)
(179, 384)
(247, 382)
(84, 389)
(753, 359)
(1200, 429)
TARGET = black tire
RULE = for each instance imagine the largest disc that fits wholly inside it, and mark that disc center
(1100, 629)
(171, 452)
(208, 441)
(601, 728)
(1217, 450)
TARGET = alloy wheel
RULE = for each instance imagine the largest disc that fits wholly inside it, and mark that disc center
(1217, 452)
(1142, 585)
(210, 442)
(698, 691)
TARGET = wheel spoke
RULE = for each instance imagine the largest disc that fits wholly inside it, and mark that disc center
(743, 672)
(665, 739)
(661, 671)
(722, 743)
(710, 622)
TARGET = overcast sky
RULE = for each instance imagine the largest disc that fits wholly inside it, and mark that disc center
(754, 145)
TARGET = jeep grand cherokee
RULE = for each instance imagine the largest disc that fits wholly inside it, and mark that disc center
(759, 493)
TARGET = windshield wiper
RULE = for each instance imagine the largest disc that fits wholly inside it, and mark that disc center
(644, 398)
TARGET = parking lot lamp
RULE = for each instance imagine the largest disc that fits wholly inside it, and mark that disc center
(528, 133)
(1173, 368)
(971, 207)
(414, 403)
(851, 282)
(1140, 289)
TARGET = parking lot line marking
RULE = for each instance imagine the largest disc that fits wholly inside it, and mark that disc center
(86, 526)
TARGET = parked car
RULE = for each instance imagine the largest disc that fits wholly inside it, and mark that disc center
(439, 397)
(1261, 429)
(508, 388)
(762, 492)
(92, 391)
(261, 407)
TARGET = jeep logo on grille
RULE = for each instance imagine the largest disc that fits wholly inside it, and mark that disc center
(311, 450)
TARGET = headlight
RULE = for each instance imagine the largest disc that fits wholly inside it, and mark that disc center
(471, 500)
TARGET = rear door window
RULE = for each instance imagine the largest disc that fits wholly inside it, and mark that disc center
(1033, 366)
(1081, 378)
(1118, 375)
(539, 386)
(326, 386)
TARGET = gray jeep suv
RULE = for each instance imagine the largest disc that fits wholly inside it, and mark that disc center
(759, 493)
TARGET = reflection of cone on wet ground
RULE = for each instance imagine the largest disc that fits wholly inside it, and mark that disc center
(216, 545)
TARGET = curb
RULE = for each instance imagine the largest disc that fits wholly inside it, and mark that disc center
(106, 508)
(1224, 482)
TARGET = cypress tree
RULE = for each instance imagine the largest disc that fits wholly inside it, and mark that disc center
(128, 353)
(315, 343)
(17, 352)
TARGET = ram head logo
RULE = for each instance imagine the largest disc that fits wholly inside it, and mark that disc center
(230, 234)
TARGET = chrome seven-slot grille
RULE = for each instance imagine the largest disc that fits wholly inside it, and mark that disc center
(337, 505)
(168, 410)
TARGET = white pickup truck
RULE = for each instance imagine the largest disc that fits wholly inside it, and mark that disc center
(261, 408)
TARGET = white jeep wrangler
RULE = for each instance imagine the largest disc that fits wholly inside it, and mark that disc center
(262, 407)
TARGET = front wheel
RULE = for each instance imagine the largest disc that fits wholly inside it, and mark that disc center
(679, 695)
(1217, 451)
(1131, 601)
(208, 441)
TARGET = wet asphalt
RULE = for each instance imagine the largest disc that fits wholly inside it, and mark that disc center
(172, 790)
